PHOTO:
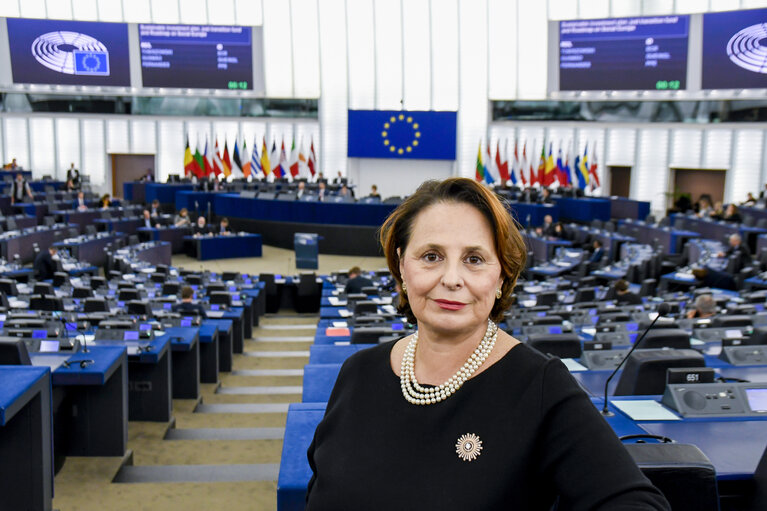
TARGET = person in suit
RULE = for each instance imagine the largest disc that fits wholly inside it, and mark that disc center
(322, 192)
(731, 214)
(301, 190)
(339, 179)
(706, 277)
(79, 203)
(148, 221)
(345, 193)
(154, 209)
(545, 197)
(739, 250)
(223, 227)
(558, 231)
(73, 174)
(200, 229)
(547, 229)
(19, 189)
(705, 307)
(356, 281)
(598, 253)
(624, 296)
(44, 265)
(148, 176)
(187, 306)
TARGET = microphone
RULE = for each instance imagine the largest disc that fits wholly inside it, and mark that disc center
(663, 310)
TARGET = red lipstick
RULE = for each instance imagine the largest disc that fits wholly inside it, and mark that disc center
(450, 305)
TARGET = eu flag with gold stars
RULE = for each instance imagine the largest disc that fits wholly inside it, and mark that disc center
(402, 134)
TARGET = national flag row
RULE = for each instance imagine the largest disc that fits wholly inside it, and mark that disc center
(276, 163)
(519, 169)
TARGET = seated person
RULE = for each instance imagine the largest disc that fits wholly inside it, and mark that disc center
(148, 221)
(154, 210)
(374, 192)
(345, 193)
(624, 296)
(105, 202)
(44, 264)
(182, 219)
(704, 206)
(79, 203)
(750, 200)
(731, 214)
(223, 227)
(706, 277)
(739, 250)
(187, 306)
(558, 231)
(200, 229)
(545, 197)
(301, 190)
(548, 225)
(322, 193)
(356, 281)
(705, 307)
(598, 254)
(718, 212)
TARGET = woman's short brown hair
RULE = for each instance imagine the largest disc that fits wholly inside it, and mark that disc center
(509, 245)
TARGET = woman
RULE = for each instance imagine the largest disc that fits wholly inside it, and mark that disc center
(105, 201)
(732, 214)
(461, 415)
(182, 219)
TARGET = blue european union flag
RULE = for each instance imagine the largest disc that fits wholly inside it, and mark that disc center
(94, 63)
(402, 134)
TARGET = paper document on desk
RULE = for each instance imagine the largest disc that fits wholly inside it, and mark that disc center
(215, 314)
(335, 302)
(562, 264)
(389, 309)
(645, 410)
(344, 313)
(683, 276)
(18, 304)
(573, 366)
(733, 334)
(340, 324)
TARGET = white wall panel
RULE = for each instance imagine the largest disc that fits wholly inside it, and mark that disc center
(85, 10)
(502, 48)
(532, 37)
(625, 8)
(143, 137)
(562, 9)
(253, 132)
(193, 12)
(93, 151)
(58, 9)
(361, 52)
(592, 9)
(170, 156)
(17, 141)
(3, 156)
(752, 4)
(43, 143)
(306, 55)
(110, 10)
(227, 132)
(686, 148)
(278, 52)
(221, 12)
(649, 181)
(32, 9)
(9, 9)
(746, 169)
(690, 6)
(416, 38)
(444, 48)
(118, 136)
(249, 12)
(655, 7)
(333, 102)
(621, 147)
(718, 144)
(388, 47)
(68, 141)
(137, 11)
(724, 5)
(198, 131)
(165, 12)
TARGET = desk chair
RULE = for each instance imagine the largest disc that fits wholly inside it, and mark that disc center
(645, 370)
(95, 305)
(684, 475)
(46, 303)
(213, 287)
(267, 195)
(90, 229)
(8, 287)
(171, 288)
(740, 320)
(666, 338)
(13, 352)
(82, 292)
(648, 287)
(10, 223)
(585, 294)
(547, 298)
(270, 290)
(60, 278)
(49, 221)
(128, 294)
(365, 307)
(614, 317)
(559, 345)
(43, 288)
(157, 278)
(221, 298)
(98, 282)
(370, 290)
(230, 275)
(194, 280)
(373, 334)
(308, 293)
(139, 307)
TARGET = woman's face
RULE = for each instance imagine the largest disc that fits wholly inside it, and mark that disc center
(451, 269)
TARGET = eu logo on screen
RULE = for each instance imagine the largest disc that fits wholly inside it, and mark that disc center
(95, 63)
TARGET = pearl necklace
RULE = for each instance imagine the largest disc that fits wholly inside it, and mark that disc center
(418, 395)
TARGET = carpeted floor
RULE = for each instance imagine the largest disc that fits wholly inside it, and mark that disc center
(223, 450)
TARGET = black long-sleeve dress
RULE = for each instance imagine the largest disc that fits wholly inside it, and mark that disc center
(541, 439)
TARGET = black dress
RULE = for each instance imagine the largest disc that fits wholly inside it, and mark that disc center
(541, 437)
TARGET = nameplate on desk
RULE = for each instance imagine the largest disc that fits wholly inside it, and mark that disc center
(335, 302)
(733, 333)
(337, 332)
(644, 410)
(340, 324)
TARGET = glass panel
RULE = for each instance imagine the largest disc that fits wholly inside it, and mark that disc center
(85, 10)
(93, 151)
(68, 145)
(137, 11)
(118, 138)
(221, 12)
(533, 32)
(58, 9)
(249, 12)
(43, 158)
(110, 10)
(193, 12)
(361, 44)
(417, 51)
(165, 12)
(388, 42)
(503, 48)
(306, 56)
(170, 156)
(333, 101)
(278, 63)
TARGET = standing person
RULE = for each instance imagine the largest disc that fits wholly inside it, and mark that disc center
(20, 188)
(465, 416)
(73, 174)
(356, 281)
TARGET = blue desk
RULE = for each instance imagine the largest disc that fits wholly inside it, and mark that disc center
(712, 230)
(173, 235)
(329, 354)
(761, 245)
(583, 209)
(187, 199)
(90, 250)
(124, 225)
(543, 248)
(185, 355)
(96, 400)
(135, 191)
(223, 247)
(224, 329)
(318, 382)
(26, 457)
(621, 207)
(670, 240)
(294, 467)
(531, 214)
(165, 192)
(209, 349)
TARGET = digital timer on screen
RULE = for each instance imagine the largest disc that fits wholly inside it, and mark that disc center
(196, 56)
(624, 54)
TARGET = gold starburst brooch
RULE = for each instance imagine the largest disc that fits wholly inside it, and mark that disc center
(468, 447)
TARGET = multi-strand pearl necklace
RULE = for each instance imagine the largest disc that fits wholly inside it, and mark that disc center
(419, 395)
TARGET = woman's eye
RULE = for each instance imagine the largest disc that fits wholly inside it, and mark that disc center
(473, 259)
(431, 257)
